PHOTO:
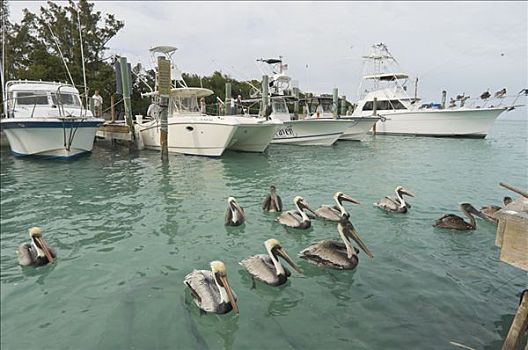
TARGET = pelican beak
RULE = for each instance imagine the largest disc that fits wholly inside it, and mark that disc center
(42, 243)
(351, 233)
(410, 194)
(481, 215)
(275, 199)
(230, 296)
(235, 206)
(349, 199)
(303, 203)
(286, 257)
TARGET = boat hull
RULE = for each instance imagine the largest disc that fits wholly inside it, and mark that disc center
(472, 123)
(50, 138)
(253, 135)
(200, 136)
(311, 132)
(360, 128)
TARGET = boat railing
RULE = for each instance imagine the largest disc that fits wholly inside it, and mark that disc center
(60, 106)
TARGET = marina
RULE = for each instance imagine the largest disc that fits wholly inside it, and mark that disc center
(143, 206)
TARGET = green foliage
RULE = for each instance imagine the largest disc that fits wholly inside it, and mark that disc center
(32, 52)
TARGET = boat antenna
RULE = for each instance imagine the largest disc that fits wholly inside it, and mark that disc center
(60, 52)
(82, 54)
(4, 93)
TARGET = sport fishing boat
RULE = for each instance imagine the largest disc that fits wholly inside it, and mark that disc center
(47, 119)
(323, 106)
(295, 131)
(401, 114)
(192, 131)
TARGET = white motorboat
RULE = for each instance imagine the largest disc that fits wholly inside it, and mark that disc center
(402, 115)
(47, 119)
(321, 107)
(254, 133)
(295, 131)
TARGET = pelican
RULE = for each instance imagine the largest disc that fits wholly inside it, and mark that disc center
(272, 202)
(490, 210)
(235, 213)
(268, 268)
(455, 222)
(334, 254)
(395, 204)
(500, 93)
(452, 102)
(36, 252)
(485, 95)
(296, 218)
(210, 289)
(335, 212)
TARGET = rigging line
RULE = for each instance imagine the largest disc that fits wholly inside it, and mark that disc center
(82, 54)
(60, 52)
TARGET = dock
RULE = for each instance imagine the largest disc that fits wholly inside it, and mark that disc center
(114, 130)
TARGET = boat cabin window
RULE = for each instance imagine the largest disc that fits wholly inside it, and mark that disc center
(280, 107)
(66, 99)
(32, 98)
(188, 104)
(384, 105)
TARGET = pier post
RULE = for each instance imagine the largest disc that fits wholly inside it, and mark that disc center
(335, 101)
(296, 102)
(164, 87)
(112, 107)
(265, 95)
(228, 98)
(444, 97)
(519, 324)
(374, 113)
(126, 87)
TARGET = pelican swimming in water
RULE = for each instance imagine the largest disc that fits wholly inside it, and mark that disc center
(395, 204)
(210, 289)
(297, 218)
(36, 252)
(335, 212)
(334, 254)
(268, 268)
(272, 202)
(490, 210)
(235, 213)
(455, 222)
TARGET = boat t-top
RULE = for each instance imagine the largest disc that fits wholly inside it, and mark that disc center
(47, 119)
(384, 90)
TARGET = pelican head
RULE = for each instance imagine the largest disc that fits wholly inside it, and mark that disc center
(42, 246)
(340, 196)
(401, 190)
(507, 200)
(274, 247)
(348, 233)
(219, 271)
(468, 208)
(273, 189)
(233, 204)
(301, 204)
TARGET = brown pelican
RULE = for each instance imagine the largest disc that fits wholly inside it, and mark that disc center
(235, 213)
(210, 289)
(485, 95)
(37, 252)
(395, 204)
(272, 202)
(296, 218)
(500, 93)
(455, 222)
(490, 210)
(338, 255)
(268, 268)
(335, 212)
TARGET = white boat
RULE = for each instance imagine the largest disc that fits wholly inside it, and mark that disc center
(321, 107)
(403, 115)
(295, 131)
(254, 133)
(47, 119)
(189, 130)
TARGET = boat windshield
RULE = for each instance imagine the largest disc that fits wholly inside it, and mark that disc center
(32, 98)
(384, 105)
(66, 99)
(186, 104)
(280, 107)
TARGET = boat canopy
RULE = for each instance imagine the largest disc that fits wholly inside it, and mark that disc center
(163, 49)
(28, 85)
(387, 76)
(190, 92)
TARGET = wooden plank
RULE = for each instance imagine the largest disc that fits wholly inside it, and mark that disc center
(518, 327)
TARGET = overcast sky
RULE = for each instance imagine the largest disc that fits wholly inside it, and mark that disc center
(457, 46)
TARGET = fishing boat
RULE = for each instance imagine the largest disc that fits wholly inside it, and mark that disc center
(192, 131)
(47, 119)
(383, 91)
(324, 107)
(295, 131)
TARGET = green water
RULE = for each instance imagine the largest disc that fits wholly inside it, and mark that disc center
(128, 228)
